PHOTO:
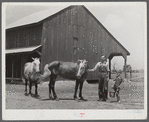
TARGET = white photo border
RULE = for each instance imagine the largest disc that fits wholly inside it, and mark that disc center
(60, 114)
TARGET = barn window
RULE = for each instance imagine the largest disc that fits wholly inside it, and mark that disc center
(75, 45)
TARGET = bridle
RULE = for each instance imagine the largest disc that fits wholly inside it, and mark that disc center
(82, 64)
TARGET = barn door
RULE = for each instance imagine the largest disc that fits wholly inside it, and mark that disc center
(17, 66)
(75, 49)
(13, 66)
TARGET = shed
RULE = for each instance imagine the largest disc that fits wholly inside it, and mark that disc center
(67, 35)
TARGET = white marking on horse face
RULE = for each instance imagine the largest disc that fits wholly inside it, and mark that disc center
(81, 68)
(36, 64)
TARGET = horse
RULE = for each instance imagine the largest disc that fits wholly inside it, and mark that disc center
(67, 70)
(32, 75)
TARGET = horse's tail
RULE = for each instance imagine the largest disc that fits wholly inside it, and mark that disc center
(45, 75)
(47, 71)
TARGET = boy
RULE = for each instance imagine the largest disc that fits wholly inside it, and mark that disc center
(116, 87)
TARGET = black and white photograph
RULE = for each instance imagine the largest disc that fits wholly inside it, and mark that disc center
(74, 60)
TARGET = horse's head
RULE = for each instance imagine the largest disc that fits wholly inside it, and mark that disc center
(36, 63)
(82, 68)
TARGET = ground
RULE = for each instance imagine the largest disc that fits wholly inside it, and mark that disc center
(132, 96)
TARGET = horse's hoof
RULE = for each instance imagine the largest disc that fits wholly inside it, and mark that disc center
(30, 94)
(51, 98)
(99, 99)
(36, 95)
(25, 94)
(75, 98)
(104, 100)
(56, 98)
(81, 98)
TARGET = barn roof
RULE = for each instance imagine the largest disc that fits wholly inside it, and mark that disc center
(38, 17)
(22, 50)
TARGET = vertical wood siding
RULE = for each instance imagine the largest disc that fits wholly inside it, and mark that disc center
(57, 33)
(23, 37)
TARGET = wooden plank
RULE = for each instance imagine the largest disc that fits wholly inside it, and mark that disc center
(72, 31)
(57, 36)
(70, 47)
(12, 79)
(64, 36)
(50, 40)
(61, 38)
(67, 38)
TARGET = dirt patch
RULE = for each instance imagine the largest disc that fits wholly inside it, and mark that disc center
(132, 97)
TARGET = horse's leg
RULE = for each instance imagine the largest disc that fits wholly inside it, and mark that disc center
(36, 87)
(25, 86)
(53, 87)
(76, 88)
(50, 95)
(80, 94)
(30, 87)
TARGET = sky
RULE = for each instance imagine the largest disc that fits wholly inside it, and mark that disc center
(126, 21)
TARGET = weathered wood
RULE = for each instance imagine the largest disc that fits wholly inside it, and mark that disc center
(57, 33)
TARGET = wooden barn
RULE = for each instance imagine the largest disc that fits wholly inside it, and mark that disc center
(68, 35)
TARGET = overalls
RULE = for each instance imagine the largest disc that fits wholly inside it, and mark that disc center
(103, 82)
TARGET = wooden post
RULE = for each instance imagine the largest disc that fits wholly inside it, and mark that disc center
(125, 67)
(110, 68)
(12, 68)
(23, 61)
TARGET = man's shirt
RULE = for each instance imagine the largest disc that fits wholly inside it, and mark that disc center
(103, 67)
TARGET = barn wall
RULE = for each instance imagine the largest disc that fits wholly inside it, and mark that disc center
(23, 37)
(69, 35)
(75, 23)
(58, 35)
(96, 39)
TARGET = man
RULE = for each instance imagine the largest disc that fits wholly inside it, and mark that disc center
(103, 78)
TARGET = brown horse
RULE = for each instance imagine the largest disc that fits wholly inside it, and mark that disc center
(32, 75)
(68, 70)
